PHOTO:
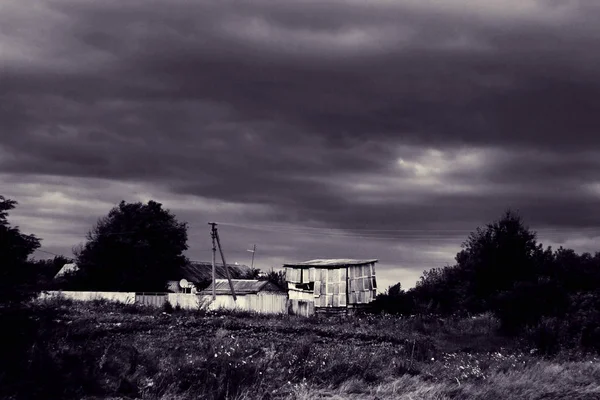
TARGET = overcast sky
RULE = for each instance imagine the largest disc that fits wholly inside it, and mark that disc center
(392, 128)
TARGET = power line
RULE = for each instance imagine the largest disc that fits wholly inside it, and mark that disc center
(428, 263)
(421, 234)
(54, 254)
(299, 227)
(343, 234)
(431, 235)
(49, 252)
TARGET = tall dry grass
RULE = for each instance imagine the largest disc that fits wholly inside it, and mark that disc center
(105, 350)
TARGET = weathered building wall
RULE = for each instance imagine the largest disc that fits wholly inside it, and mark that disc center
(330, 287)
(304, 308)
(297, 294)
(362, 286)
(334, 287)
(120, 297)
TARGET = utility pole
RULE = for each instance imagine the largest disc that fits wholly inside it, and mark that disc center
(216, 236)
(214, 251)
(252, 251)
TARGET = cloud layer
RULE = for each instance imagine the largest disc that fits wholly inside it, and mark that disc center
(345, 115)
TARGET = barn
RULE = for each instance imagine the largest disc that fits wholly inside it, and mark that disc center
(330, 285)
(253, 295)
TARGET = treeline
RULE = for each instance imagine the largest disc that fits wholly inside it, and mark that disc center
(549, 297)
(135, 247)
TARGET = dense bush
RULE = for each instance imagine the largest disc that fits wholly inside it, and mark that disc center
(17, 275)
(136, 247)
(549, 297)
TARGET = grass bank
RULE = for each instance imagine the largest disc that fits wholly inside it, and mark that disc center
(101, 350)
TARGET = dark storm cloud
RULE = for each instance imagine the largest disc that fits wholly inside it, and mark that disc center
(425, 75)
(355, 115)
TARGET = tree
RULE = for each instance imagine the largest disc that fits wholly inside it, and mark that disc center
(496, 262)
(253, 273)
(494, 258)
(46, 270)
(136, 247)
(16, 274)
(440, 291)
(395, 290)
(277, 277)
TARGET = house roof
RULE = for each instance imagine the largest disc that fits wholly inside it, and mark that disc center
(66, 269)
(242, 286)
(202, 271)
(331, 263)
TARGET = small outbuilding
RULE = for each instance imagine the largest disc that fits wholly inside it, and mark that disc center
(330, 285)
(198, 275)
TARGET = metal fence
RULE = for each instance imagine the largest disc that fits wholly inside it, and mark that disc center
(151, 299)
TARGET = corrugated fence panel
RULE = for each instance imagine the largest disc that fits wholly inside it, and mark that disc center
(268, 303)
(119, 297)
(264, 303)
(185, 300)
(148, 299)
(271, 303)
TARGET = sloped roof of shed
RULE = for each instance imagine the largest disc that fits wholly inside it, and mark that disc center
(331, 263)
(243, 286)
(201, 271)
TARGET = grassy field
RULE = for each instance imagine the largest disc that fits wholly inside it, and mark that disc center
(101, 350)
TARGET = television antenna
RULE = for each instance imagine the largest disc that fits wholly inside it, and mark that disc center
(252, 251)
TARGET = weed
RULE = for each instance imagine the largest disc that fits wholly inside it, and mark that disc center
(168, 308)
(109, 350)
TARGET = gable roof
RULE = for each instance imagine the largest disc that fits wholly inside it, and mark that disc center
(331, 263)
(242, 286)
(66, 269)
(202, 271)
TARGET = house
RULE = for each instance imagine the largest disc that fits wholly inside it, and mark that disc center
(253, 295)
(66, 269)
(199, 275)
(330, 285)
